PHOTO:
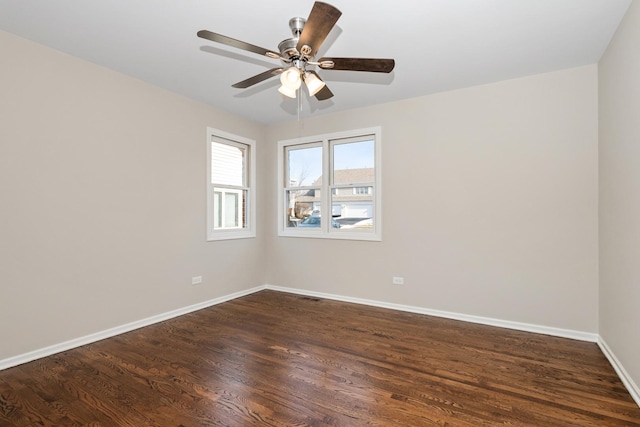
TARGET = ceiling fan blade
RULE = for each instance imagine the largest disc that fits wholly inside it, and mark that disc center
(219, 38)
(374, 65)
(321, 20)
(257, 78)
(324, 94)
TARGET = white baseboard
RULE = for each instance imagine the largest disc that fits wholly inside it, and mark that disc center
(546, 330)
(565, 333)
(98, 336)
(631, 386)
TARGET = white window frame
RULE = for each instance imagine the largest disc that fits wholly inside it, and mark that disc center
(216, 135)
(327, 187)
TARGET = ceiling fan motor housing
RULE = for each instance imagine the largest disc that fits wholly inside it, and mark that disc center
(288, 48)
(297, 24)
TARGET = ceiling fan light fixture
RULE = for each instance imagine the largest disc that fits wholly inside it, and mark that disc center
(298, 52)
(290, 78)
(287, 91)
(313, 83)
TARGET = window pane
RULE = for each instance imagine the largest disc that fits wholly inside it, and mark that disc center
(352, 204)
(231, 210)
(353, 162)
(227, 164)
(217, 209)
(304, 166)
(353, 209)
(302, 204)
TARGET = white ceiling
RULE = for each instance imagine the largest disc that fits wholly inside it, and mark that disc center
(438, 45)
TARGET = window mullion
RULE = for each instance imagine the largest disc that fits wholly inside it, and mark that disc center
(325, 192)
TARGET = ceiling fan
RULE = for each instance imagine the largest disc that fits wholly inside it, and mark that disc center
(299, 52)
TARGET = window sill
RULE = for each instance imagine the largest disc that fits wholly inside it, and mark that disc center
(230, 235)
(335, 235)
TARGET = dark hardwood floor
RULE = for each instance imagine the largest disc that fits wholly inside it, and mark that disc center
(277, 359)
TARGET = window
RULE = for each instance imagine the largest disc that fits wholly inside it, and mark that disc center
(330, 186)
(230, 186)
(362, 190)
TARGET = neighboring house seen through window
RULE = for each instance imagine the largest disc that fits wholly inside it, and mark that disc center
(230, 186)
(330, 186)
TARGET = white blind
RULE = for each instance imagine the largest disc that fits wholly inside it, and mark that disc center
(227, 164)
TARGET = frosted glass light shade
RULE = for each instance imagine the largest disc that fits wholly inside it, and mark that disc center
(287, 91)
(314, 84)
(291, 78)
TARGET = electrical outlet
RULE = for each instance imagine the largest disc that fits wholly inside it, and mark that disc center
(196, 280)
(398, 280)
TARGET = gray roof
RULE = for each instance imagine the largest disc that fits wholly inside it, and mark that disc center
(351, 176)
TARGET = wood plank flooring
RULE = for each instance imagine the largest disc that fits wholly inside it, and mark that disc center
(278, 359)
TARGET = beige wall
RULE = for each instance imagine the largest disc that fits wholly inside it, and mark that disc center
(102, 186)
(619, 84)
(490, 204)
